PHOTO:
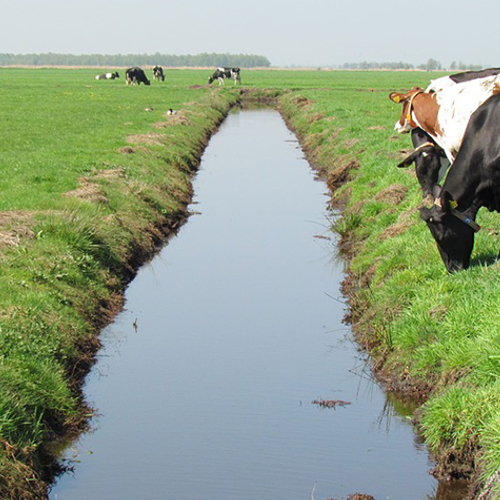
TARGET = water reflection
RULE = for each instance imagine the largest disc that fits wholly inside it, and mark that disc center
(205, 383)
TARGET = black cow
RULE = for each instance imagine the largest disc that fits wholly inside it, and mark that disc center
(222, 73)
(107, 76)
(430, 161)
(137, 76)
(473, 182)
(158, 74)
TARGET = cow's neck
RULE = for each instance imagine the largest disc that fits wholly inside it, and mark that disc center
(425, 110)
(464, 192)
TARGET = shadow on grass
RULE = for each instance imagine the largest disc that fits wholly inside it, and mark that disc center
(484, 259)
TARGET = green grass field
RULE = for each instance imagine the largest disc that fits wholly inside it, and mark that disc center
(95, 174)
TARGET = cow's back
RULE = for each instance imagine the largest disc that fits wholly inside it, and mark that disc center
(456, 105)
(476, 171)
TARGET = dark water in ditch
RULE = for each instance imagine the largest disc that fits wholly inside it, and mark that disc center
(238, 328)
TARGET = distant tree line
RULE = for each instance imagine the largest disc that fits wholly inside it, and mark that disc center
(119, 60)
(430, 65)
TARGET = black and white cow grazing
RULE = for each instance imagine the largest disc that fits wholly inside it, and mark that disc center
(107, 76)
(222, 73)
(430, 161)
(158, 74)
(217, 75)
(235, 74)
(137, 76)
(473, 182)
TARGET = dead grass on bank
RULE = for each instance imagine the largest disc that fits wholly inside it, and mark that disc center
(15, 227)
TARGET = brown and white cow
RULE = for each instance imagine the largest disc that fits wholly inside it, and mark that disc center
(444, 114)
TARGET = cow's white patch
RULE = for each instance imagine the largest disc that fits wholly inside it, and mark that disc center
(402, 129)
(456, 105)
(440, 84)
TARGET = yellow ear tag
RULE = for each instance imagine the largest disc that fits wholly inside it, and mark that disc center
(453, 204)
(396, 99)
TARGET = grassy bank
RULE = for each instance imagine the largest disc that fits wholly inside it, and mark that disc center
(96, 174)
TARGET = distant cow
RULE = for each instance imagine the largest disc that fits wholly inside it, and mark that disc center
(444, 114)
(430, 161)
(107, 76)
(137, 76)
(158, 74)
(473, 182)
(221, 73)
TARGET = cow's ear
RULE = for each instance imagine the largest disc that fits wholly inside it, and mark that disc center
(406, 162)
(426, 214)
(395, 97)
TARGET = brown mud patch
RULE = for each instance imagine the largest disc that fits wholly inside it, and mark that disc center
(151, 139)
(404, 222)
(88, 188)
(87, 191)
(15, 227)
(393, 194)
(128, 150)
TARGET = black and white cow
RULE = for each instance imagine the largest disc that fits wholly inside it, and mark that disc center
(473, 182)
(430, 161)
(137, 76)
(222, 73)
(107, 76)
(158, 74)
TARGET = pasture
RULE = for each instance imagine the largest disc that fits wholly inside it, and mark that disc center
(95, 174)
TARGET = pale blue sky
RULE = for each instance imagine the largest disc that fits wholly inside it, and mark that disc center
(287, 32)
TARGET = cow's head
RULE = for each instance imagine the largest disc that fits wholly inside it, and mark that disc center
(454, 237)
(405, 122)
(429, 160)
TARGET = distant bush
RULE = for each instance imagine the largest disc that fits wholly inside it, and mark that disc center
(215, 60)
